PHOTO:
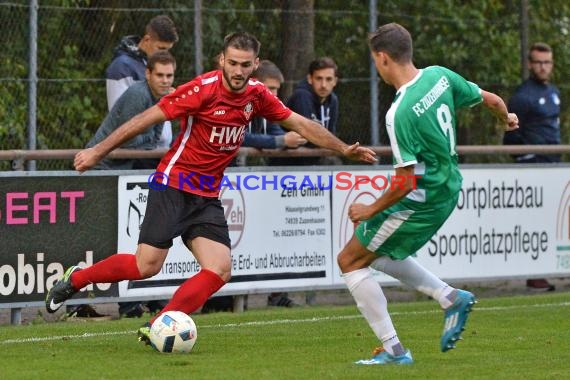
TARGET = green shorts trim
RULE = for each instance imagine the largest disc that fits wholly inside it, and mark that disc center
(401, 230)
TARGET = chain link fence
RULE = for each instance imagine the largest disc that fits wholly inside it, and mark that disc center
(76, 40)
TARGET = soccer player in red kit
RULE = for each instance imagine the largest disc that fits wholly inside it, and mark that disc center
(214, 110)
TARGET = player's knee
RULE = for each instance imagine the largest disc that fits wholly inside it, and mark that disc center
(149, 269)
(224, 273)
(226, 276)
(222, 268)
(350, 259)
(343, 260)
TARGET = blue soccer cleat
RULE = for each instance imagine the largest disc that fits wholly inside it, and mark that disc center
(455, 319)
(380, 356)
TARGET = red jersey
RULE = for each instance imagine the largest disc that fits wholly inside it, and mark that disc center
(213, 121)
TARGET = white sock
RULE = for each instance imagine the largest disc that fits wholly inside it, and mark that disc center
(373, 305)
(411, 273)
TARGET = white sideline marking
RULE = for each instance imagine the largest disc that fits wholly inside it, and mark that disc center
(274, 322)
(63, 337)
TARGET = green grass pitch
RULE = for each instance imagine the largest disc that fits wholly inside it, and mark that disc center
(524, 337)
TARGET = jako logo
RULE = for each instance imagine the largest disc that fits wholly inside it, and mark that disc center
(219, 112)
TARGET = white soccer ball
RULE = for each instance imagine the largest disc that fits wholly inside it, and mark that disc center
(173, 331)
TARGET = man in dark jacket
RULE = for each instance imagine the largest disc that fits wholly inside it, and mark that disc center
(261, 133)
(130, 58)
(536, 102)
(314, 98)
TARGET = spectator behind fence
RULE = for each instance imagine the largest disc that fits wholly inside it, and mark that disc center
(137, 98)
(315, 99)
(129, 66)
(142, 95)
(130, 60)
(262, 134)
(537, 103)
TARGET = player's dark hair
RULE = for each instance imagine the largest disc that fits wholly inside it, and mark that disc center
(242, 41)
(394, 40)
(539, 46)
(268, 70)
(161, 56)
(162, 28)
(322, 63)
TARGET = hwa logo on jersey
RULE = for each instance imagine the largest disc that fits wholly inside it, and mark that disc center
(227, 135)
(248, 110)
(219, 112)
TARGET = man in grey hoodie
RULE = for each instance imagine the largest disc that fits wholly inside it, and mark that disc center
(142, 95)
(130, 59)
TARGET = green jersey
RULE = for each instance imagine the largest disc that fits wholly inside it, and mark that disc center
(421, 126)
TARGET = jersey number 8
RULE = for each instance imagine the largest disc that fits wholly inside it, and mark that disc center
(444, 118)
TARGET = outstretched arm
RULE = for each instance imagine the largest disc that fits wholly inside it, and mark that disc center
(318, 135)
(87, 158)
(498, 107)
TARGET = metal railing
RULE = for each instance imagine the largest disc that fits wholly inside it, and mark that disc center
(19, 157)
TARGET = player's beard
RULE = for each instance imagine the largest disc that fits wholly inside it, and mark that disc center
(229, 82)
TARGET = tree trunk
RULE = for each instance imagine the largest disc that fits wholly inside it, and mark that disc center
(298, 42)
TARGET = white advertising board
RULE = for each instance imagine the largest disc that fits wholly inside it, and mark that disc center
(280, 237)
(354, 187)
(508, 223)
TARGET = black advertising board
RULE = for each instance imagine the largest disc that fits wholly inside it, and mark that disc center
(48, 223)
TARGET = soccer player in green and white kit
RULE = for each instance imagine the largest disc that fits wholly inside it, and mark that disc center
(421, 126)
